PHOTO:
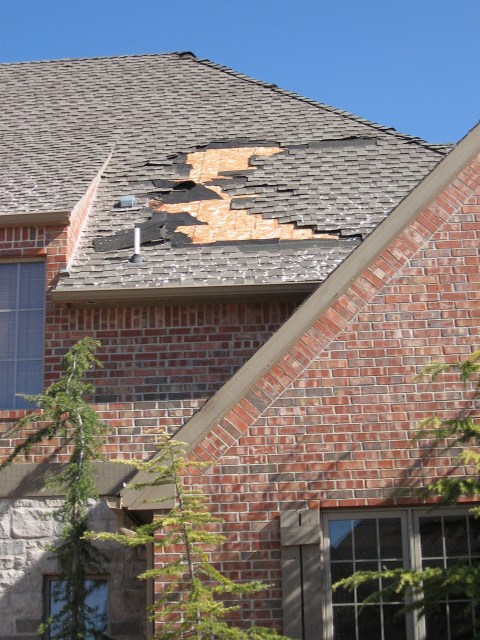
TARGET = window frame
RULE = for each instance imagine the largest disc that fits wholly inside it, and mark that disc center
(49, 579)
(12, 406)
(412, 553)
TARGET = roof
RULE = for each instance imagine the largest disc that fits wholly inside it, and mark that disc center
(292, 177)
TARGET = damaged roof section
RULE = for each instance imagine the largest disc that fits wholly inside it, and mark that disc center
(241, 212)
(185, 210)
(341, 186)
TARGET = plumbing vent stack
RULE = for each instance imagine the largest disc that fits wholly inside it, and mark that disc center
(136, 258)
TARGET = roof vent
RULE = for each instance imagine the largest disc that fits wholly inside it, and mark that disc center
(126, 202)
(137, 257)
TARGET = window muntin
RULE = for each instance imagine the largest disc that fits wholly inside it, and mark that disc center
(364, 544)
(373, 541)
(22, 311)
(447, 540)
(96, 606)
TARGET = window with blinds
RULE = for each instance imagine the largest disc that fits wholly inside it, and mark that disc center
(22, 311)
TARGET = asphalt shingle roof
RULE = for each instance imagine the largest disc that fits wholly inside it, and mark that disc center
(334, 172)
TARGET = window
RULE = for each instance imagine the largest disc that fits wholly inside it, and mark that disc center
(413, 538)
(22, 310)
(96, 607)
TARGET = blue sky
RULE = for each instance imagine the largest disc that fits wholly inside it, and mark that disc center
(409, 64)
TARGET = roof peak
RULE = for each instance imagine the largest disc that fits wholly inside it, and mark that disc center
(188, 55)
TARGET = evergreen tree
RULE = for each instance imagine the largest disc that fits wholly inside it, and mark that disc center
(423, 590)
(68, 416)
(192, 601)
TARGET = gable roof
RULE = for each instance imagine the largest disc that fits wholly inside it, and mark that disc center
(336, 302)
(327, 174)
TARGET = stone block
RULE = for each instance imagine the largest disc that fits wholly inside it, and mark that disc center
(12, 548)
(31, 523)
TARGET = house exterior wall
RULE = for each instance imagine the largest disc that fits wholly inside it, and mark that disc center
(28, 527)
(330, 425)
(160, 364)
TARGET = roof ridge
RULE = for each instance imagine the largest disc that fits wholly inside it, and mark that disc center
(346, 114)
(167, 54)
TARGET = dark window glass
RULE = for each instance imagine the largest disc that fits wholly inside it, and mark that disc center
(96, 608)
(365, 544)
(22, 310)
(344, 623)
(341, 539)
(431, 537)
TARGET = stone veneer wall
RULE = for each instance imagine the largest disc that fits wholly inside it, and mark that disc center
(27, 528)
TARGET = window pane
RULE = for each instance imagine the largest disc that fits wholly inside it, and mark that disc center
(369, 623)
(365, 536)
(22, 293)
(96, 607)
(448, 537)
(371, 586)
(395, 622)
(436, 624)
(97, 600)
(456, 536)
(474, 526)
(342, 570)
(340, 532)
(8, 328)
(431, 537)
(32, 285)
(362, 540)
(6, 384)
(344, 623)
(8, 286)
(461, 620)
(390, 538)
(29, 380)
(30, 334)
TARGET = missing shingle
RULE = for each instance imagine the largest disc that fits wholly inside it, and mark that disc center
(160, 228)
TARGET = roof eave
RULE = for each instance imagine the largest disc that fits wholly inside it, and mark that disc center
(114, 296)
(28, 218)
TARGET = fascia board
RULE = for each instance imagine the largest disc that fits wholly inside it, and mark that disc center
(129, 295)
(29, 218)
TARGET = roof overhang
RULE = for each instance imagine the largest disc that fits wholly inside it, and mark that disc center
(25, 218)
(102, 296)
(31, 480)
